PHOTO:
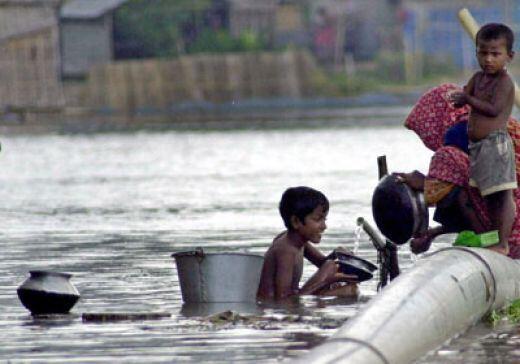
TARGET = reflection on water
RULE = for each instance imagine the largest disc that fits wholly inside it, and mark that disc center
(112, 208)
(481, 344)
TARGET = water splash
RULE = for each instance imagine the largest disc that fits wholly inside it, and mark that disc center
(413, 257)
(357, 234)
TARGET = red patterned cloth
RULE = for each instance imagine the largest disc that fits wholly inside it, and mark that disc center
(434, 114)
(513, 127)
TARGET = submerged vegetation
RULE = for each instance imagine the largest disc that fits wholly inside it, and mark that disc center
(510, 313)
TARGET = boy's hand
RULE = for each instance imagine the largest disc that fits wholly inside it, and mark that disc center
(458, 98)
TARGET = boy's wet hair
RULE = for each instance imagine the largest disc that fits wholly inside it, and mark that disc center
(493, 31)
(300, 202)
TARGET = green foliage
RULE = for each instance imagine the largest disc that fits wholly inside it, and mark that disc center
(153, 28)
(340, 84)
(166, 28)
(437, 66)
(511, 313)
(354, 84)
(390, 66)
(221, 42)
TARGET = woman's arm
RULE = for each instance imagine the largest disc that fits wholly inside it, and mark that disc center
(413, 179)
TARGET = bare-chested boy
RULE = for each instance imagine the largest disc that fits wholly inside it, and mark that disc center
(304, 211)
(490, 93)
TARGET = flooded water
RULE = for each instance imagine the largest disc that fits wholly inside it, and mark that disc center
(112, 208)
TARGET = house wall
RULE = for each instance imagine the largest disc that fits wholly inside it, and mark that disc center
(85, 43)
(29, 55)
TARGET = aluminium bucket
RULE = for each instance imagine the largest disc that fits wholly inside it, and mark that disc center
(218, 277)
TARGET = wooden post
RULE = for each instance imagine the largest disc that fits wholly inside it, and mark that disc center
(382, 167)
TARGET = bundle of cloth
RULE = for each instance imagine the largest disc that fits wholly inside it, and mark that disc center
(443, 129)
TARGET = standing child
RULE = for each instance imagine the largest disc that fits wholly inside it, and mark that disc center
(304, 211)
(490, 93)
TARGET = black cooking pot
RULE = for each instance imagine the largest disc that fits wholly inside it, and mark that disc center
(399, 211)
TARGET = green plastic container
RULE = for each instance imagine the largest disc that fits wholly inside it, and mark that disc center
(471, 239)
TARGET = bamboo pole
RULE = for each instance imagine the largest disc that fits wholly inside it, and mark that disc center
(471, 26)
(382, 166)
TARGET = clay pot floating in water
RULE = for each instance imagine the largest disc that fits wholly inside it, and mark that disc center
(399, 211)
(47, 292)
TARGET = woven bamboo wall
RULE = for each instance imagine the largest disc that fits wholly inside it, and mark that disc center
(159, 84)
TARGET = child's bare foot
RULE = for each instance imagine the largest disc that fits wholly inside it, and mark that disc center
(500, 248)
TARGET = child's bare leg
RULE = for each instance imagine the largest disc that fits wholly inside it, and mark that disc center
(502, 210)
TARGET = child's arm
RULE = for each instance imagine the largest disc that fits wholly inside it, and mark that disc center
(314, 255)
(459, 97)
(491, 109)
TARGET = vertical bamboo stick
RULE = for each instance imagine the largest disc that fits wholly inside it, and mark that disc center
(381, 166)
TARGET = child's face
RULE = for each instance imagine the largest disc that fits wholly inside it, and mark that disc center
(314, 225)
(492, 55)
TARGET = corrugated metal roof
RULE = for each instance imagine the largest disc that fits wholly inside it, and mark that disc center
(88, 9)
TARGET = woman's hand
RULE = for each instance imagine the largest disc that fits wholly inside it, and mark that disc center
(414, 179)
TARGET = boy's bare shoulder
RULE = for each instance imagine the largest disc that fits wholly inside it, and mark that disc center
(281, 247)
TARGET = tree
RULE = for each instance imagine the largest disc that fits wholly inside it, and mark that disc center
(157, 28)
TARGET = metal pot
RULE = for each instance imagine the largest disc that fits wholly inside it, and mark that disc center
(47, 292)
(218, 277)
(399, 211)
(350, 264)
